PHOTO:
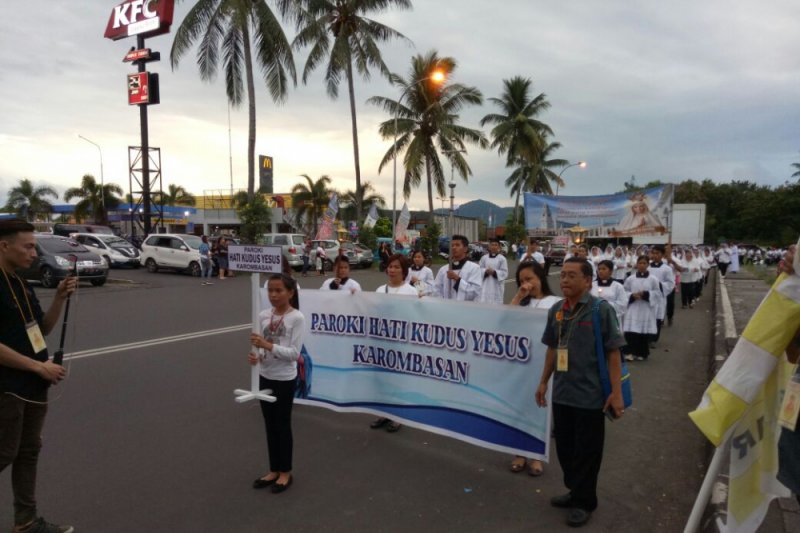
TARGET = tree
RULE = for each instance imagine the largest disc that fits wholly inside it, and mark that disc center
(428, 123)
(341, 31)
(255, 217)
(311, 198)
(366, 195)
(92, 199)
(796, 166)
(521, 136)
(223, 27)
(175, 195)
(29, 201)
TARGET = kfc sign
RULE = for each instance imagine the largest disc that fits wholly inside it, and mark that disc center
(140, 17)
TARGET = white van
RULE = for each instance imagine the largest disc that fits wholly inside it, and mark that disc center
(175, 251)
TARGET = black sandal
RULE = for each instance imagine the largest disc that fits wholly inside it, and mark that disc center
(379, 423)
(393, 427)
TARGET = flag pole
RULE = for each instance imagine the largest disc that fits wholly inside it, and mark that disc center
(693, 524)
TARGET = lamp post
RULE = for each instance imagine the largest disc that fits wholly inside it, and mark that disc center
(102, 181)
(581, 164)
(451, 228)
(438, 77)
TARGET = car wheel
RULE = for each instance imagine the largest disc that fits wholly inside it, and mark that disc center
(99, 282)
(48, 278)
(194, 269)
(151, 265)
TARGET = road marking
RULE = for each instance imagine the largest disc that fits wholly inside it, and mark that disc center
(727, 311)
(155, 342)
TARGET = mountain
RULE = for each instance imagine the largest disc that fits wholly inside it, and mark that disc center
(481, 209)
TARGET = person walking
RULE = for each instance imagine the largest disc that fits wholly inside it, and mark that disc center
(494, 268)
(306, 257)
(205, 261)
(579, 403)
(276, 352)
(533, 292)
(609, 289)
(639, 321)
(420, 276)
(222, 257)
(664, 274)
(26, 371)
(341, 280)
(320, 257)
(460, 279)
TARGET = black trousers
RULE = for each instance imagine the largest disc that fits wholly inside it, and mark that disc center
(580, 434)
(278, 423)
(637, 344)
(687, 293)
(698, 288)
(670, 304)
(723, 268)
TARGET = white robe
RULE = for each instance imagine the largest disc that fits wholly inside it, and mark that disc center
(734, 259)
(620, 267)
(493, 288)
(666, 277)
(640, 317)
(469, 290)
(615, 294)
(424, 284)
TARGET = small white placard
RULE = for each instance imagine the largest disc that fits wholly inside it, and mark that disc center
(258, 259)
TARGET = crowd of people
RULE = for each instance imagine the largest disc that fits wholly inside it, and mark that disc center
(614, 305)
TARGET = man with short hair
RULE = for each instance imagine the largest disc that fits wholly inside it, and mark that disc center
(495, 272)
(533, 253)
(26, 371)
(662, 271)
(341, 280)
(579, 403)
(460, 279)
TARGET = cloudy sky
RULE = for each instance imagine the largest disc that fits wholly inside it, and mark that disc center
(659, 90)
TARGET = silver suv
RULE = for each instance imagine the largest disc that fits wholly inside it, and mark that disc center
(175, 251)
(291, 244)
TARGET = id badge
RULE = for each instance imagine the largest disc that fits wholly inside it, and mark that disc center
(35, 336)
(562, 360)
(791, 404)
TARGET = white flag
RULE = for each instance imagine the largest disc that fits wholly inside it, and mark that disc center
(372, 217)
(402, 224)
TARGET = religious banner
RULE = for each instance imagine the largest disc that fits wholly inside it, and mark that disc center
(327, 230)
(372, 217)
(464, 371)
(400, 231)
(641, 213)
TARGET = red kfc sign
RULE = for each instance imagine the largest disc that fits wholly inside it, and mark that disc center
(140, 17)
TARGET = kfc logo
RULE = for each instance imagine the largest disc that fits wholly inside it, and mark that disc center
(140, 17)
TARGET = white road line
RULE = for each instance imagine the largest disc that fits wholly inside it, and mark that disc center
(727, 311)
(154, 342)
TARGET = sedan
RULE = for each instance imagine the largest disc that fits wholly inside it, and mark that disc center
(54, 262)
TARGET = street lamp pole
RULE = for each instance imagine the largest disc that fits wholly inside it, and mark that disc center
(102, 180)
(438, 77)
(581, 164)
(451, 224)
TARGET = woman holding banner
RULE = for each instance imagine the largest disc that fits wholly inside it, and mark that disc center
(533, 292)
(277, 350)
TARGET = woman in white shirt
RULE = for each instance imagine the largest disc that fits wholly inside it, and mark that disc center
(533, 292)
(420, 276)
(276, 352)
(397, 272)
(620, 262)
(341, 280)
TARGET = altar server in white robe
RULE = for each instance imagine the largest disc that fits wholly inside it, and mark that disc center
(419, 276)
(664, 274)
(609, 289)
(639, 322)
(460, 279)
(494, 269)
(734, 259)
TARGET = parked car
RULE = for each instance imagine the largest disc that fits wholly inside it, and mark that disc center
(365, 256)
(116, 251)
(555, 254)
(174, 251)
(357, 256)
(331, 248)
(53, 262)
(66, 229)
(291, 244)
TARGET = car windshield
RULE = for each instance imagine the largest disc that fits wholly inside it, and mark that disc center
(61, 246)
(114, 241)
(193, 241)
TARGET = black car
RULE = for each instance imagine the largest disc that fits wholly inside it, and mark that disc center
(53, 262)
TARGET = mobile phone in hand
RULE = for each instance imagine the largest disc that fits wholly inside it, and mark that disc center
(609, 414)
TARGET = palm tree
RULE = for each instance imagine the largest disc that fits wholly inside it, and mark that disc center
(311, 198)
(234, 29)
(427, 123)
(175, 195)
(518, 133)
(796, 166)
(92, 197)
(28, 201)
(341, 31)
(535, 177)
(366, 195)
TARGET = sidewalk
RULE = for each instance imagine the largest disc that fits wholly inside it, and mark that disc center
(745, 292)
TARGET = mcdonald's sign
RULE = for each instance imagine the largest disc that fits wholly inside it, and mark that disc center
(265, 174)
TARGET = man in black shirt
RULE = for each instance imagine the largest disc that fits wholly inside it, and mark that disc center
(25, 371)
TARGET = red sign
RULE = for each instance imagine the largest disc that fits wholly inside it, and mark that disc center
(140, 17)
(139, 88)
(136, 55)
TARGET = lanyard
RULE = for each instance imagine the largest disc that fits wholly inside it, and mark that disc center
(272, 326)
(14, 294)
(572, 320)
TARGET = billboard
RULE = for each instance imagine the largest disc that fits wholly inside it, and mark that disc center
(139, 17)
(265, 174)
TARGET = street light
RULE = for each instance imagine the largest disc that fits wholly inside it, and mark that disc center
(102, 181)
(451, 229)
(581, 164)
(437, 76)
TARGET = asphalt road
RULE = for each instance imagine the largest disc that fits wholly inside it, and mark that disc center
(150, 438)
